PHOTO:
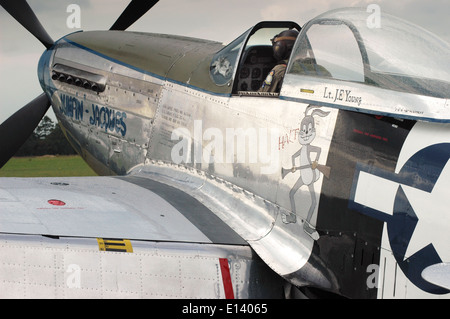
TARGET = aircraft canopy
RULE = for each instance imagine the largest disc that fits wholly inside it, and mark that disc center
(376, 49)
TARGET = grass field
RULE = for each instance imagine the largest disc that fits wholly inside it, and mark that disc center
(46, 166)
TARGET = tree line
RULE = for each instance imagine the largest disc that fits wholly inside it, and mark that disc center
(47, 139)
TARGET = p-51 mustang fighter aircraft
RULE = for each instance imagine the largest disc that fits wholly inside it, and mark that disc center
(334, 186)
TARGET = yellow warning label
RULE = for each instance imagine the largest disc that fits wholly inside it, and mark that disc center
(118, 245)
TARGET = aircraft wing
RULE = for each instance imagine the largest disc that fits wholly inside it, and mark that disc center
(121, 237)
(108, 207)
(203, 218)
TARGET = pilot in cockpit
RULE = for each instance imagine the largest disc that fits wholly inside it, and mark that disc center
(282, 45)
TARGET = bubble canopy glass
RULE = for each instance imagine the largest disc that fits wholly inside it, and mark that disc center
(387, 52)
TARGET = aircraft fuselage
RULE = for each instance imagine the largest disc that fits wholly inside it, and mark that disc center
(310, 188)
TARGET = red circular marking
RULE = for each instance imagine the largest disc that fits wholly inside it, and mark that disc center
(56, 202)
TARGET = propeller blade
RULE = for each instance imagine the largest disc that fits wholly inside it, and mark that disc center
(16, 129)
(135, 10)
(21, 11)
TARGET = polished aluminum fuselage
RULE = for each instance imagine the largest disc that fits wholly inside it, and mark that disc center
(159, 115)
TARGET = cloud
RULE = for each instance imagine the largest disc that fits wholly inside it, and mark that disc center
(51, 7)
(273, 12)
(307, 10)
(19, 82)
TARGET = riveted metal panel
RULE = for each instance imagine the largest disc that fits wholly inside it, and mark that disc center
(42, 267)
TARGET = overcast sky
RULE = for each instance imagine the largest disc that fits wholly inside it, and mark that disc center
(208, 19)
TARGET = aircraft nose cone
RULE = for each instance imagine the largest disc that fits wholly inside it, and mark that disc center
(44, 69)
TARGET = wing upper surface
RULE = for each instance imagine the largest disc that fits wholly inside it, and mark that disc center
(107, 207)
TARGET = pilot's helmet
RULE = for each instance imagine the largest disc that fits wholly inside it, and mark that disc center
(283, 44)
